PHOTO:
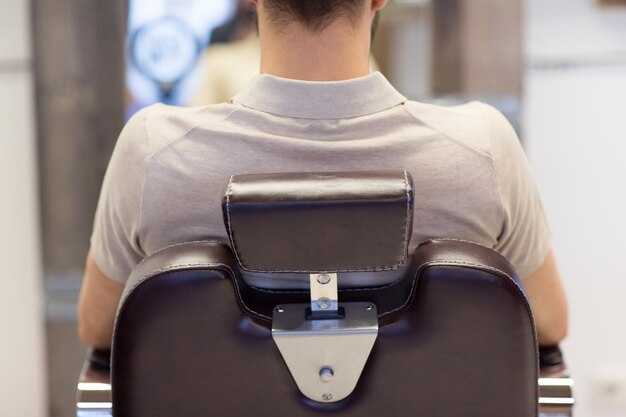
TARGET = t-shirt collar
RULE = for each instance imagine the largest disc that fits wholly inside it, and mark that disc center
(320, 100)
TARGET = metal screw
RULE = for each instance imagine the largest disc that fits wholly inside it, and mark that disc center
(323, 303)
(323, 279)
(326, 374)
(369, 307)
(327, 396)
(280, 309)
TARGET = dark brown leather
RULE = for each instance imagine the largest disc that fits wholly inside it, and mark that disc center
(313, 222)
(464, 344)
(100, 361)
(550, 356)
(391, 299)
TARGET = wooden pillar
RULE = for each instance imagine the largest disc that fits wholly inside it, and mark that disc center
(477, 47)
(447, 58)
(491, 47)
(79, 81)
(79, 73)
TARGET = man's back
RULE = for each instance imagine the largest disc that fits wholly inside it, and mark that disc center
(172, 165)
(165, 180)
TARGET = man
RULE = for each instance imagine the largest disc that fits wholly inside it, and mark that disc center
(316, 108)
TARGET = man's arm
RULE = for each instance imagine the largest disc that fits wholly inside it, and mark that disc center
(548, 301)
(97, 305)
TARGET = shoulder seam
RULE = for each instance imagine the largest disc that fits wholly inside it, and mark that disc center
(143, 185)
(191, 129)
(445, 135)
(150, 156)
(495, 174)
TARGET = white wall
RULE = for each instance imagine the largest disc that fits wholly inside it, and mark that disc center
(22, 378)
(573, 27)
(575, 132)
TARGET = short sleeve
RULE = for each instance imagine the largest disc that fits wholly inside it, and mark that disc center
(115, 243)
(525, 236)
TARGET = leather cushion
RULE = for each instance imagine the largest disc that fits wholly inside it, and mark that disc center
(314, 222)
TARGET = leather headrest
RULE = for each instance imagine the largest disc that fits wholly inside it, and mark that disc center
(320, 222)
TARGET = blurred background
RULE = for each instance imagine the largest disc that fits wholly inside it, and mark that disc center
(72, 72)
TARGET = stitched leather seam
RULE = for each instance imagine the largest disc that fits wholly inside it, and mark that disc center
(405, 246)
(510, 282)
(341, 290)
(381, 287)
(183, 267)
(401, 262)
(231, 235)
(175, 245)
(495, 272)
(405, 304)
(450, 239)
(423, 266)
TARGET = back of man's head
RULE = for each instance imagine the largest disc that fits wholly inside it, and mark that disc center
(316, 15)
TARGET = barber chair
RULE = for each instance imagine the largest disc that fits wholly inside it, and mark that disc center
(316, 307)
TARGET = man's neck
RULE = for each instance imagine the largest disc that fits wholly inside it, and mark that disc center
(337, 53)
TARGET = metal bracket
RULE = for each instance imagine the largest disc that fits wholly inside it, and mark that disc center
(325, 355)
(323, 293)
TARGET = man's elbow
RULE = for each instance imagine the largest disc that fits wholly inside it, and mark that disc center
(97, 304)
(549, 302)
(93, 338)
(553, 338)
(85, 335)
(555, 333)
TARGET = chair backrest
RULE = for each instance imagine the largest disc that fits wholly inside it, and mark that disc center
(203, 329)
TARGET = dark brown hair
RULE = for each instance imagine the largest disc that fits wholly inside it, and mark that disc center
(316, 15)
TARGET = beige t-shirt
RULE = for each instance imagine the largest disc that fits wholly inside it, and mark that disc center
(170, 166)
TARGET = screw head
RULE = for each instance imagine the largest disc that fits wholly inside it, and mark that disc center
(323, 279)
(327, 396)
(326, 374)
(280, 309)
(323, 303)
(369, 307)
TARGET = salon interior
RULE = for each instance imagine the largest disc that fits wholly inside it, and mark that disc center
(73, 72)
